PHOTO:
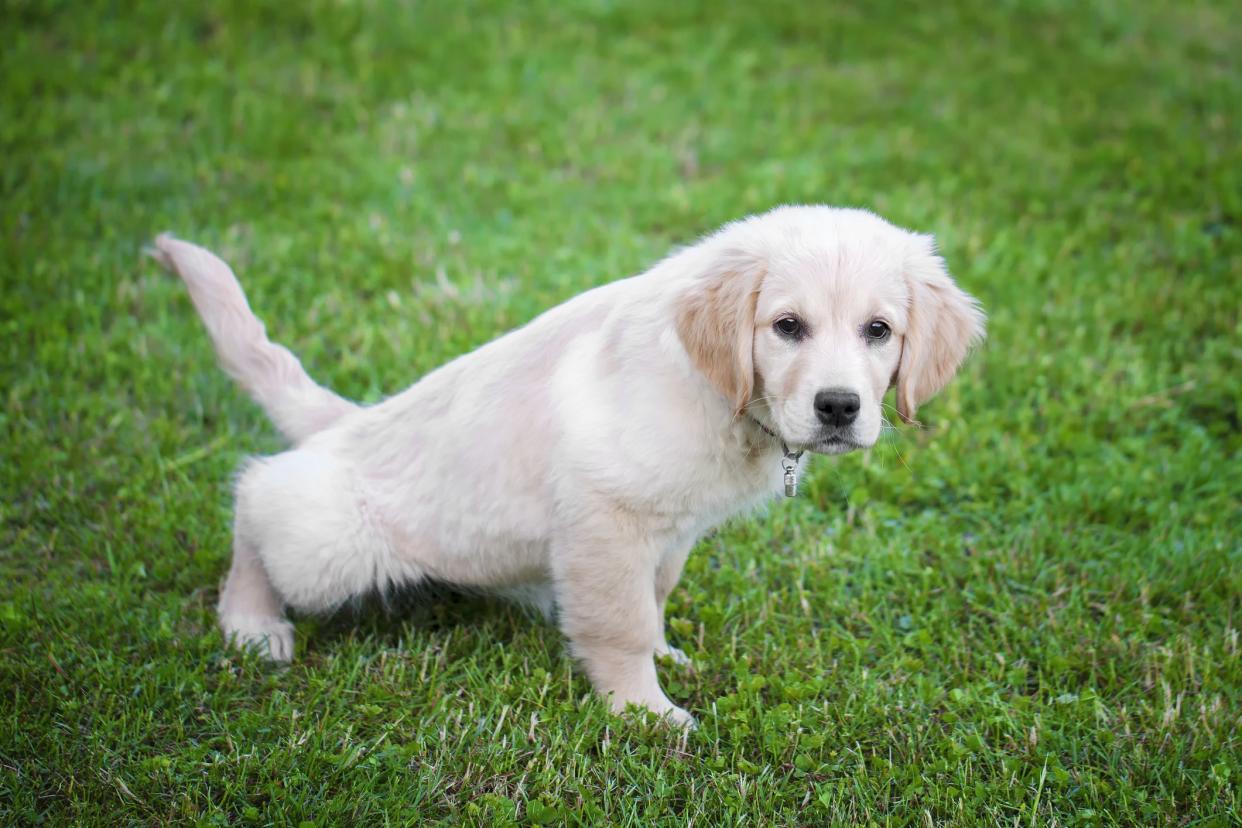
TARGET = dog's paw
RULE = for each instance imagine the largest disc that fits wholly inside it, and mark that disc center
(271, 638)
(678, 717)
(664, 712)
(667, 653)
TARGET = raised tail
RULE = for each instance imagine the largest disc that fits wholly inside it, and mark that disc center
(270, 374)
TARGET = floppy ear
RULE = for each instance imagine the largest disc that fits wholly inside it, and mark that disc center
(944, 321)
(716, 324)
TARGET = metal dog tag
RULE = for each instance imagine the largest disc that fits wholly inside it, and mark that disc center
(790, 464)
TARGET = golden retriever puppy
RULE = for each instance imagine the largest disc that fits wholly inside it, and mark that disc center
(575, 461)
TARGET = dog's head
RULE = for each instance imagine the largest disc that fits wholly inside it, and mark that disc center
(804, 317)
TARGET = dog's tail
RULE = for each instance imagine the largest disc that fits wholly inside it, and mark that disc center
(270, 374)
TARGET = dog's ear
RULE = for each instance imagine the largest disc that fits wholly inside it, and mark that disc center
(944, 321)
(716, 324)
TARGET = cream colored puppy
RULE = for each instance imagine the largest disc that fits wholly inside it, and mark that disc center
(575, 461)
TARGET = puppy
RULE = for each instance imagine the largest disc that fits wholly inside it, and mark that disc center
(574, 462)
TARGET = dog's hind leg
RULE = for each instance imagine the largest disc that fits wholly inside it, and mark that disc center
(305, 538)
(251, 613)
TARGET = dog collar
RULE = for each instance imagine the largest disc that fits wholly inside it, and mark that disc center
(789, 462)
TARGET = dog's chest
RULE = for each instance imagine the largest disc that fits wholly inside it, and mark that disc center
(698, 496)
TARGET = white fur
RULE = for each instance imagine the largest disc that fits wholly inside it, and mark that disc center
(575, 460)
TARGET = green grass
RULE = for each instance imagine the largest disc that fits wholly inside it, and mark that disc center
(1025, 614)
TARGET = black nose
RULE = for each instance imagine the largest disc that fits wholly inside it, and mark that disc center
(836, 407)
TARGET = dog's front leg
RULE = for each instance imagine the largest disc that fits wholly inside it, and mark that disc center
(605, 573)
(668, 573)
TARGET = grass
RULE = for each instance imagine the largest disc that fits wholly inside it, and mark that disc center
(1025, 614)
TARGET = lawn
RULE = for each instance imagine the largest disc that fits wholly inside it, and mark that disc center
(1025, 613)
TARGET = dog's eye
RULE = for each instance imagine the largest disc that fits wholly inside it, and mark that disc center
(789, 326)
(877, 331)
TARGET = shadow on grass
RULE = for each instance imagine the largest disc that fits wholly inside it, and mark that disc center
(433, 609)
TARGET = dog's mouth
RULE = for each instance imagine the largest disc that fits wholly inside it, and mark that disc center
(832, 443)
(835, 444)
(828, 441)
